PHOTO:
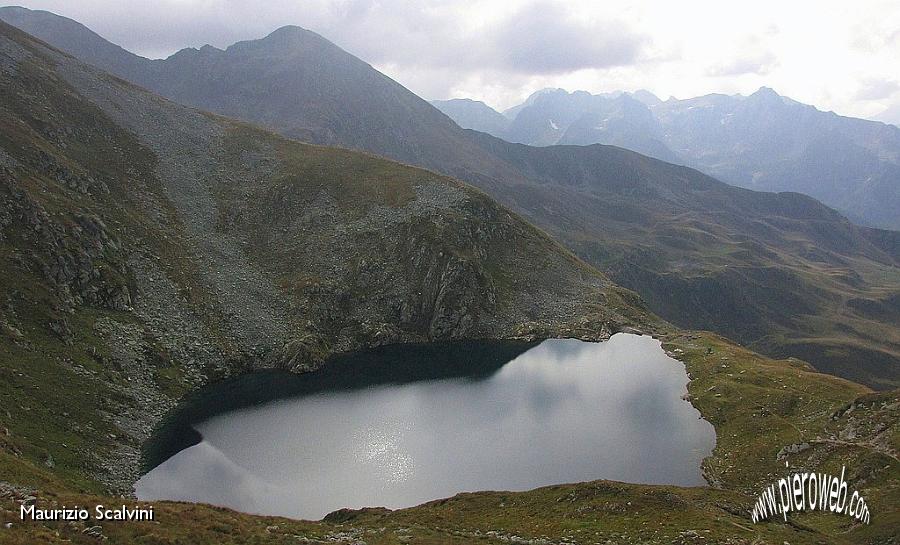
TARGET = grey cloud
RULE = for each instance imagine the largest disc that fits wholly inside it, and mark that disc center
(423, 34)
(543, 38)
(761, 64)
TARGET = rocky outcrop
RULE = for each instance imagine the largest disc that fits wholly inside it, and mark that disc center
(75, 253)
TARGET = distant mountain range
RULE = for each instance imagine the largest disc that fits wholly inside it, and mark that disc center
(764, 141)
(781, 273)
(474, 114)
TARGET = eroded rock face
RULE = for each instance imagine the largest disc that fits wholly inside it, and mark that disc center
(74, 251)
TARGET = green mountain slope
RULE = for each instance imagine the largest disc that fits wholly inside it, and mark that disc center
(778, 272)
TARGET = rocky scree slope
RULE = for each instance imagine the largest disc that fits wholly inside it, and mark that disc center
(149, 248)
(780, 272)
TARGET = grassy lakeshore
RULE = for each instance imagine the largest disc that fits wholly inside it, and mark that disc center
(758, 406)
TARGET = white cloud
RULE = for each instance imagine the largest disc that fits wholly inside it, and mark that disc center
(877, 89)
(891, 114)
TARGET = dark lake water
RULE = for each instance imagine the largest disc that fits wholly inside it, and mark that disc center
(399, 426)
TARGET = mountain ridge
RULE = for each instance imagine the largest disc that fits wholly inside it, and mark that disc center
(473, 114)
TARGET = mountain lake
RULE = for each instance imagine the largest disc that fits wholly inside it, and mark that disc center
(401, 425)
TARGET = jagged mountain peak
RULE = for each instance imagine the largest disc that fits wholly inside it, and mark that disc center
(646, 97)
(473, 114)
(291, 34)
(547, 91)
(766, 91)
(767, 94)
(191, 52)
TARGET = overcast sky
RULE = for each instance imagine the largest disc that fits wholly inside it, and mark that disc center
(838, 55)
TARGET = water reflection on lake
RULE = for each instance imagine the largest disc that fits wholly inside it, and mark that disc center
(561, 411)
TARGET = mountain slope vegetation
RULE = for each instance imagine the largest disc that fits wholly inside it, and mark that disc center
(778, 272)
